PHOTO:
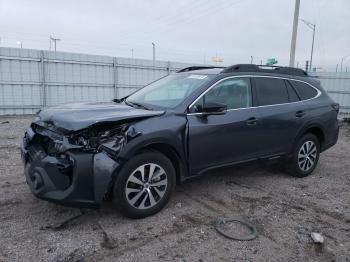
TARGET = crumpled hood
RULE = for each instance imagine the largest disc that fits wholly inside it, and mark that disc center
(76, 116)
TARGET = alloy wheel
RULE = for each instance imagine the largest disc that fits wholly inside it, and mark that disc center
(146, 186)
(307, 156)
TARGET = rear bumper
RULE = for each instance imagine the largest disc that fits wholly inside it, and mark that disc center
(75, 178)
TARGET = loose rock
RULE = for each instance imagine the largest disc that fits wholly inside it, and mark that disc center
(317, 238)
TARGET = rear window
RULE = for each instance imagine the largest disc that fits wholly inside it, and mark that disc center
(271, 91)
(304, 90)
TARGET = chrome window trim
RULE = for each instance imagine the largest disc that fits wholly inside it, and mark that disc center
(252, 76)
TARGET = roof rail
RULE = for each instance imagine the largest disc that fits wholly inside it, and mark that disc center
(266, 69)
(192, 68)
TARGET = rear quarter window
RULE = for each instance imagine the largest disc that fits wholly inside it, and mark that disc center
(271, 91)
(304, 90)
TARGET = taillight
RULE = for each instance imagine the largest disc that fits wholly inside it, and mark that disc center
(336, 107)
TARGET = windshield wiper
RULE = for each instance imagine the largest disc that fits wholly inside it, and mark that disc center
(119, 100)
(138, 105)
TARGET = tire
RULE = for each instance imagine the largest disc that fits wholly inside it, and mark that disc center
(305, 164)
(138, 195)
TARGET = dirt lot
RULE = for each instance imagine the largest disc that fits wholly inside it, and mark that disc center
(284, 209)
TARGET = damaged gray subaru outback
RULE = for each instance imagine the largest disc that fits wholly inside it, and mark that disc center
(135, 149)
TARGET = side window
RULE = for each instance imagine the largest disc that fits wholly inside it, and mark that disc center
(234, 92)
(304, 91)
(271, 91)
(293, 97)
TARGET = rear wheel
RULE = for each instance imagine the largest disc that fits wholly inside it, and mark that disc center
(144, 185)
(305, 156)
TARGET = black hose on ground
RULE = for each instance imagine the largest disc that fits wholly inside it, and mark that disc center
(220, 223)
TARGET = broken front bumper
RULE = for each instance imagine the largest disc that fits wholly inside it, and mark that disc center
(75, 178)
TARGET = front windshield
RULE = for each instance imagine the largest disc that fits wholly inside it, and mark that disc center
(168, 92)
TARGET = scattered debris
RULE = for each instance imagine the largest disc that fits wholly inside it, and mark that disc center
(131, 236)
(77, 255)
(220, 227)
(237, 183)
(178, 205)
(62, 224)
(317, 238)
(107, 242)
(10, 202)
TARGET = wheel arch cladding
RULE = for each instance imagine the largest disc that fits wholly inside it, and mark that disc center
(171, 153)
(318, 132)
(164, 148)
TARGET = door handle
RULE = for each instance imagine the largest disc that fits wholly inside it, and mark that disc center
(300, 113)
(252, 121)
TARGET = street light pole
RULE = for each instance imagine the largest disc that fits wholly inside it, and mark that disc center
(342, 60)
(313, 28)
(54, 40)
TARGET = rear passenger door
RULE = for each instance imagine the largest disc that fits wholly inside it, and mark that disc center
(281, 114)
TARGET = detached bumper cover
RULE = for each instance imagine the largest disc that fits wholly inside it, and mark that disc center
(78, 179)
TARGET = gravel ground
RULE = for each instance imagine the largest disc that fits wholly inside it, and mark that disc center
(284, 209)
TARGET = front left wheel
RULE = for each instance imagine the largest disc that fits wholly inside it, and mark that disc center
(144, 185)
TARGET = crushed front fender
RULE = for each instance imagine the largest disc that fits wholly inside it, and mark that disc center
(105, 169)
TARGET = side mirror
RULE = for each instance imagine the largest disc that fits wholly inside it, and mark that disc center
(214, 108)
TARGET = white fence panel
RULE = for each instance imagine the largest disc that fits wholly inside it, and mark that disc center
(337, 86)
(31, 79)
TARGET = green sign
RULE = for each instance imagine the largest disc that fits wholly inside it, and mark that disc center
(271, 61)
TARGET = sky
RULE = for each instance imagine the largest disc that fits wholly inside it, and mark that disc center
(192, 31)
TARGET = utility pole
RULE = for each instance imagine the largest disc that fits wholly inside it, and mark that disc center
(251, 59)
(154, 52)
(312, 46)
(294, 34)
(313, 28)
(54, 41)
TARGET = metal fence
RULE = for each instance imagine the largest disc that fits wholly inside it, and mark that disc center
(31, 79)
(337, 86)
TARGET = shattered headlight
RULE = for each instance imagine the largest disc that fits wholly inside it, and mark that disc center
(93, 138)
(114, 144)
(82, 141)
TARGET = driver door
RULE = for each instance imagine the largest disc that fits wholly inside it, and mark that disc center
(219, 139)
